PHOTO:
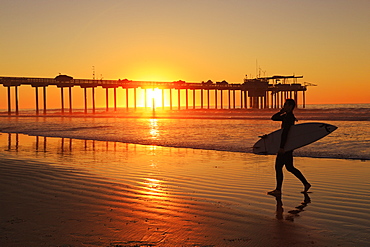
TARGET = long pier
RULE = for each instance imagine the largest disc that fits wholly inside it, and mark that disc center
(258, 93)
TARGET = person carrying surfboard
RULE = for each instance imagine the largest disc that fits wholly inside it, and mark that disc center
(286, 157)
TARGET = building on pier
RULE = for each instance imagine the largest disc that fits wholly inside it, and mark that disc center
(257, 93)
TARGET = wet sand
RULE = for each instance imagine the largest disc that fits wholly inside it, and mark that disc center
(64, 192)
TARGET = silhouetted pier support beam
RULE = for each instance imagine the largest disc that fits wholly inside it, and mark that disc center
(44, 91)
(9, 102)
(194, 99)
(296, 97)
(261, 104)
(16, 101)
(208, 100)
(153, 103)
(135, 99)
(281, 100)
(187, 98)
(106, 100)
(229, 99)
(178, 98)
(234, 99)
(285, 96)
(70, 99)
(85, 99)
(241, 99)
(127, 99)
(222, 100)
(62, 99)
(170, 99)
(93, 98)
(115, 98)
(272, 99)
(304, 98)
(201, 99)
(245, 99)
(265, 100)
(216, 99)
(37, 100)
(276, 100)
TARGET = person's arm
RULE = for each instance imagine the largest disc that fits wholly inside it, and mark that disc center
(278, 116)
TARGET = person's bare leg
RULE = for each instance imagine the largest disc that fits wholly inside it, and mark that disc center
(306, 188)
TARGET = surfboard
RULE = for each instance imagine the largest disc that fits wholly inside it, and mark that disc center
(299, 135)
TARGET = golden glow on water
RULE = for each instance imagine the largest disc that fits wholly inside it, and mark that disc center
(153, 188)
(154, 131)
(152, 147)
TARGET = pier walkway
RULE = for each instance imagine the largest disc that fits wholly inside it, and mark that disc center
(263, 92)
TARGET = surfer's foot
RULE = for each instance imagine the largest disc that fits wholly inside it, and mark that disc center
(306, 188)
(274, 193)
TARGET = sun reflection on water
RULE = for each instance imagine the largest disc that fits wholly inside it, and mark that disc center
(153, 190)
(154, 132)
(153, 184)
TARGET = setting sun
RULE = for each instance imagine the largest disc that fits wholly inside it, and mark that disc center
(154, 97)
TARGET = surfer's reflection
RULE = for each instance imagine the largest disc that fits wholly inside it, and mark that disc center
(292, 213)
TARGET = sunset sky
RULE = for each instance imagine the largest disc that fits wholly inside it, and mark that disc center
(326, 41)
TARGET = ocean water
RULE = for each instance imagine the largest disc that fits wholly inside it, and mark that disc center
(227, 130)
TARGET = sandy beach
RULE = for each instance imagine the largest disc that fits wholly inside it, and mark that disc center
(67, 192)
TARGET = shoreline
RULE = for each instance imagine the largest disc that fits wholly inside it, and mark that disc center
(305, 114)
(182, 147)
(104, 194)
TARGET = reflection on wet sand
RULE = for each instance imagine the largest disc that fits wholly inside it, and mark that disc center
(90, 199)
(66, 192)
(40, 143)
(292, 213)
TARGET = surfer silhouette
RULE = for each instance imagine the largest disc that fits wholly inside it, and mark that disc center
(283, 157)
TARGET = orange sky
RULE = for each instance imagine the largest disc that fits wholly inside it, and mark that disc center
(325, 41)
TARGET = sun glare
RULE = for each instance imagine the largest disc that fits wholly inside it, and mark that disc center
(155, 97)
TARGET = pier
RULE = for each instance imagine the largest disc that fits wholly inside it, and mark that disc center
(257, 93)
